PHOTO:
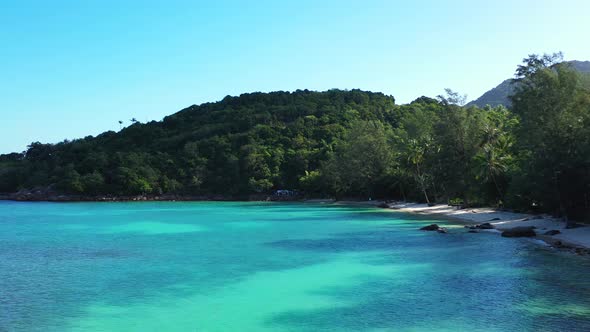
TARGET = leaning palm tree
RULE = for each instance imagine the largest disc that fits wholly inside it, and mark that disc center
(416, 156)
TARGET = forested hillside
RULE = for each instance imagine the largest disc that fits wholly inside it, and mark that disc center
(535, 156)
(246, 144)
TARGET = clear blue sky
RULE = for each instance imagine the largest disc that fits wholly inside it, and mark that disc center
(74, 68)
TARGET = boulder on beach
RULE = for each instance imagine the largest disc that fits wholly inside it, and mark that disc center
(486, 225)
(552, 232)
(521, 231)
(431, 227)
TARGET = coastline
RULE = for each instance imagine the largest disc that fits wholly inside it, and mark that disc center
(575, 239)
(40, 196)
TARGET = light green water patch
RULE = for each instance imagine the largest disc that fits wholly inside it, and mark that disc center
(231, 308)
(248, 224)
(543, 307)
(146, 228)
(454, 226)
(153, 228)
(75, 227)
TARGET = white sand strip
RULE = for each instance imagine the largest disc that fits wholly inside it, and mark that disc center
(503, 220)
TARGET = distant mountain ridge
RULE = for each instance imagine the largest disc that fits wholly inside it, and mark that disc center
(500, 94)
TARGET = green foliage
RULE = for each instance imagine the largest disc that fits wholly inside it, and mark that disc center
(252, 143)
(416, 146)
(312, 182)
(345, 144)
(92, 183)
(553, 138)
(362, 158)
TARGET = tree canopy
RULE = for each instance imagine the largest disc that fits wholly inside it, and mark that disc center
(535, 155)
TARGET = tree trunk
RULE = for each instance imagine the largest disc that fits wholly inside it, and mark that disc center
(425, 195)
(402, 192)
(497, 187)
(423, 187)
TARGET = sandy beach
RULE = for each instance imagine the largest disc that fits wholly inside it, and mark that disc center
(502, 220)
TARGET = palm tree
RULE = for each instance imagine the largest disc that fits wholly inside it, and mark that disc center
(491, 134)
(493, 161)
(416, 154)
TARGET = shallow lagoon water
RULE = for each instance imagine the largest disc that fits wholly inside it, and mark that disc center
(203, 266)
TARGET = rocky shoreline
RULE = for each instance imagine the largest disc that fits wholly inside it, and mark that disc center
(553, 231)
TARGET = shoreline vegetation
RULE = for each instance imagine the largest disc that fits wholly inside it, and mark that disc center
(533, 157)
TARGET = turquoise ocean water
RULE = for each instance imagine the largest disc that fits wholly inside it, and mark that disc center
(192, 266)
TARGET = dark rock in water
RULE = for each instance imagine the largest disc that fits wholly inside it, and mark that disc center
(552, 232)
(442, 230)
(432, 227)
(431, 204)
(519, 232)
(557, 244)
(581, 251)
(486, 225)
(494, 219)
(472, 231)
(537, 217)
(383, 205)
(572, 225)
